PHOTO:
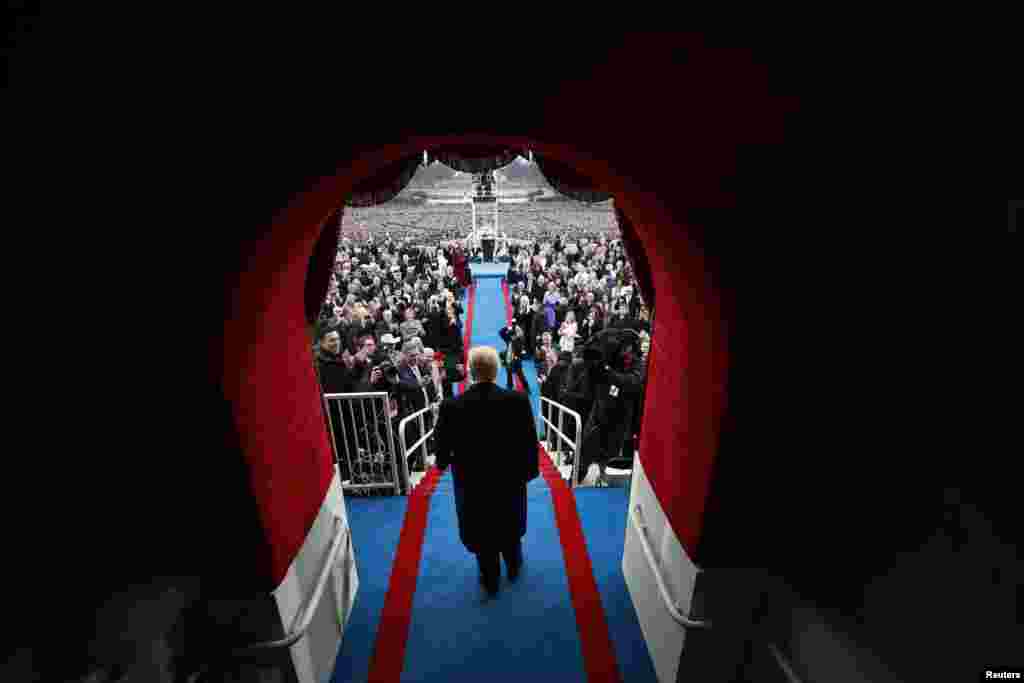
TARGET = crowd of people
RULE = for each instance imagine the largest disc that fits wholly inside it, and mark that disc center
(565, 289)
(392, 320)
(517, 220)
(522, 221)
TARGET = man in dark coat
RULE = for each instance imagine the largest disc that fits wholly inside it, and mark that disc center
(336, 378)
(515, 349)
(490, 475)
(414, 392)
(539, 324)
(551, 388)
(616, 387)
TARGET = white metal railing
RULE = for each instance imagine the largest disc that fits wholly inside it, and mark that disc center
(367, 453)
(421, 443)
(303, 618)
(561, 437)
(784, 664)
(670, 604)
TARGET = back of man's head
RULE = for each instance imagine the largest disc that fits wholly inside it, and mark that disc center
(483, 363)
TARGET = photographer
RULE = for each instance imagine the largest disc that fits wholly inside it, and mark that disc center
(354, 373)
(614, 383)
(366, 375)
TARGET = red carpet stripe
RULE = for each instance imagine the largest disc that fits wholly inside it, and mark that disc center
(508, 316)
(595, 640)
(468, 334)
(389, 648)
(388, 657)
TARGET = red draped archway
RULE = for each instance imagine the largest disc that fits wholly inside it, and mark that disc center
(678, 442)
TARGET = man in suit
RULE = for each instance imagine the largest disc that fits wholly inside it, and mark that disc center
(551, 386)
(490, 475)
(630, 302)
(515, 349)
(413, 388)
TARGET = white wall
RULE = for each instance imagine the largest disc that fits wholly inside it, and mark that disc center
(315, 654)
(664, 636)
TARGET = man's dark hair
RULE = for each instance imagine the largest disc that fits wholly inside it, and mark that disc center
(324, 330)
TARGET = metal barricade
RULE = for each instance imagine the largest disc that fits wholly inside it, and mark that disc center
(562, 439)
(367, 455)
(421, 443)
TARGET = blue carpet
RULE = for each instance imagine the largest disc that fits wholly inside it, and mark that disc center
(376, 525)
(489, 316)
(603, 514)
(527, 633)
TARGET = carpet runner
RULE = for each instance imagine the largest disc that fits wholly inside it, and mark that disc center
(435, 623)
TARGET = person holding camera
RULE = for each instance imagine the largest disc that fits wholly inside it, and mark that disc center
(354, 373)
(614, 383)
(366, 372)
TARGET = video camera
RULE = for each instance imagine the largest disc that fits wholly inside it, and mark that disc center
(390, 373)
(608, 347)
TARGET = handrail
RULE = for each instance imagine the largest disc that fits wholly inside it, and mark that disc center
(375, 441)
(303, 618)
(358, 394)
(670, 604)
(784, 664)
(572, 444)
(424, 435)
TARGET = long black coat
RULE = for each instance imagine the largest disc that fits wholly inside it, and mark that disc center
(490, 472)
(611, 418)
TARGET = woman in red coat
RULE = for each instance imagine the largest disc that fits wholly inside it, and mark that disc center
(459, 263)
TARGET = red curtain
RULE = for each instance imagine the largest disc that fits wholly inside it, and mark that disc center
(475, 159)
(386, 183)
(567, 181)
(637, 258)
(321, 265)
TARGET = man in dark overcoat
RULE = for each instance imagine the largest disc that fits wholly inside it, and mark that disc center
(489, 474)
